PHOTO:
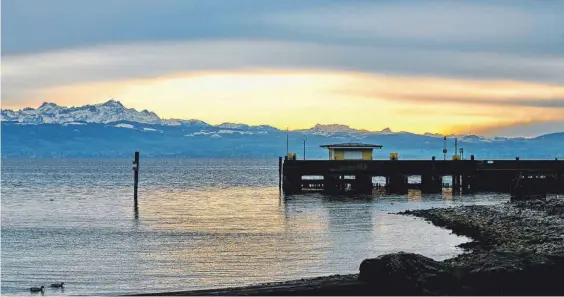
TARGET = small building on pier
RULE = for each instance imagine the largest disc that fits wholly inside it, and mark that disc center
(351, 151)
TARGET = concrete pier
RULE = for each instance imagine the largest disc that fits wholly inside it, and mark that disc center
(468, 176)
(468, 184)
(456, 187)
(396, 184)
(431, 184)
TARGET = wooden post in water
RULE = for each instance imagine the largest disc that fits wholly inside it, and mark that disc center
(135, 176)
(280, 173)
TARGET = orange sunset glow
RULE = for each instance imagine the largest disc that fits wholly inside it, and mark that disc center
(300, 99)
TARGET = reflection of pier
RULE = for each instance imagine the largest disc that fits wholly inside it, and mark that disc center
(468, 176)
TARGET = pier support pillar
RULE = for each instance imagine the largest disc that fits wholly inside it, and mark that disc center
(292, 183)
(362, 184)
(396, 184)
(552, 183)
(331, 183)
(530, 187)
(431, 184)
(493, 181)
(467, 181)
(456, 184)
(560, 182)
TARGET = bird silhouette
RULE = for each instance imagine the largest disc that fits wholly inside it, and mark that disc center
(36, 289)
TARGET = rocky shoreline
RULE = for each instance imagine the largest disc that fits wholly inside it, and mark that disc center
(518, 249)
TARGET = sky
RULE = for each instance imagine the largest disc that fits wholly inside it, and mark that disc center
(477, 67)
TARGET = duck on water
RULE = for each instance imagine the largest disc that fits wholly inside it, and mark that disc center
(36, 289)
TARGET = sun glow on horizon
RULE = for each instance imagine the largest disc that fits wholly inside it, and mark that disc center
(301, 99)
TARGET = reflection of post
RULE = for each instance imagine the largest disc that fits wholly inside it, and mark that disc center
(135, 176)
(136, 210)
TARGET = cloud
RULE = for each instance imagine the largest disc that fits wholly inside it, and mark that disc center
(480, 59)
(26, 75)
(490, 26)
(529, 129)
(514, 27)
(33, 26)
(288, 98)
(452, 91)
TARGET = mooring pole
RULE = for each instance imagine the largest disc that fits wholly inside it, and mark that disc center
(135, 176)
(280, 173)
(304, 139)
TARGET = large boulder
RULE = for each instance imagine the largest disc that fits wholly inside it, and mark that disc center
(503, 273)
(408, 274)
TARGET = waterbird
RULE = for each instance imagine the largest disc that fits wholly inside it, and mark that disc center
(36, 289)
(57, 285)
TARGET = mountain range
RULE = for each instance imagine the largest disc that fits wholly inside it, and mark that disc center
(111, 130)
(114, 111)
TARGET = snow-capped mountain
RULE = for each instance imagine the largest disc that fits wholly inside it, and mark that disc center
(233, 126)
(332, 129)
(110, 111)
(51, 113)
(114, 111)
(467, 137)
(238, 126)
(189, 123)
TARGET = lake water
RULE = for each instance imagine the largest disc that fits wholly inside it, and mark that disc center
(200, 224)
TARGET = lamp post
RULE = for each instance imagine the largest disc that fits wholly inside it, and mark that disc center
(455, 146)
(304, 139)
(444, 148)
(287, 142)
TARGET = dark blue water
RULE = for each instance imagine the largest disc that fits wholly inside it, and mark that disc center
(200, 224)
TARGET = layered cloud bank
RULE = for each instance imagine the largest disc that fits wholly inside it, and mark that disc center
(471, 67)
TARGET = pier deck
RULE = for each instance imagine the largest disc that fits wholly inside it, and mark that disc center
(467, 175)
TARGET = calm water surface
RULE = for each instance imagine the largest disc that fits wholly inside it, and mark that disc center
(200, 224)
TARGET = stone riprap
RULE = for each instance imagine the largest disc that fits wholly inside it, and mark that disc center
(518, 248)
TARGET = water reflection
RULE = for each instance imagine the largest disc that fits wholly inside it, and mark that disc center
(447, 194)
(136, 210)
(414, 195)
(240, 210)
(251, 234)
(198, 224)
(246, 237)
